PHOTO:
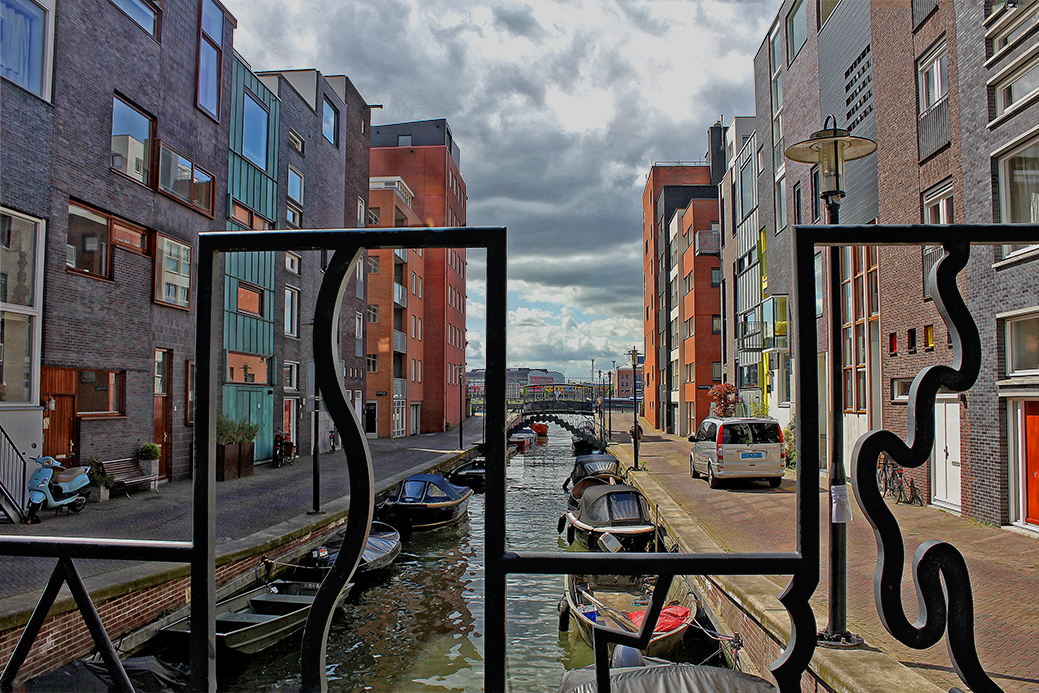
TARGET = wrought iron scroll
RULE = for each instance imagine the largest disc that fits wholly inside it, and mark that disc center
(943, 609)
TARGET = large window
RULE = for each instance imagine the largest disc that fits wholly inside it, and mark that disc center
(826, 8)
(248, 368)
(211, 35)
(88, 241)
(26, 48)
(132, 133)
(20, 304)
(748, 188)
(181, 178)
(1018, 87)
(291, 311)
(294, 210)
(1019, 185)
(933, 78)
(99, 393)
(1023, 346)
(144, 12)
(174, 282)
(781, 205)
(330, 123)
(797, 28)
(255, 121)
(250, 300)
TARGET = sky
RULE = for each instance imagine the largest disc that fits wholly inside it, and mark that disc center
(559, 108)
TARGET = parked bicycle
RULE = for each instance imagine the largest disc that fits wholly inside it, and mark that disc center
(284, 449)
(333, 438)
(891, 478)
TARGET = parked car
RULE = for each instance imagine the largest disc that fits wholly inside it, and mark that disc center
(738, 448)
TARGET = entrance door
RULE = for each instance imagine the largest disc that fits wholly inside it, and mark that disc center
(289, 418)
(371, 419)
(946, 453)
(416, 416)
(59, 427)
(162, 412)
(1031, 465)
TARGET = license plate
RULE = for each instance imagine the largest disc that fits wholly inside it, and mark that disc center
(752, 455)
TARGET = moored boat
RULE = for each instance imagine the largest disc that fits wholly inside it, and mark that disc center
(615, 515)
(424, 501)
(381, 549)
(620, 602)
(591, 470)
(540, 428)
(472, 474)
(523, 438)
(255, 620)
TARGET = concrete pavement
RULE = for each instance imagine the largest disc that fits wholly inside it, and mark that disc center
(750, 516)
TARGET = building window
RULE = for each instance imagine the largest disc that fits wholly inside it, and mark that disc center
(420, 287)
(716, 324)
(911, 340)
(373, 313)
(938, 204)
(797, 28)
(182, 179)
(255, 122)
(88, 241)
(250, 300)
(99, 393)
(358, 324)
(403, 140)
(211, 37)
(928, 337)
(248, 368)
(419, 337)
(1016, 30)
(143, 12)
(174, 281)
(748, 188)
(716, 371)
(892, 344)
(373, 363)
(1017, 88)
(716, 276)
(361, 215)
(826, 8)
(132, 133)
(296, 141)
(291, 375)
(780, 204)
(291, 311)
(373, 264)
(20, 303)
(248, 218)
(294, 216)
(1023, 346)
(1019, 185)
(27, 48)
(330, 123)
(797, 202)
(820, 284)
(900, 389)
(295, 190)
(292, 262)
(933, 78)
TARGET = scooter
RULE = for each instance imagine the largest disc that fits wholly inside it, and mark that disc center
(54, 486)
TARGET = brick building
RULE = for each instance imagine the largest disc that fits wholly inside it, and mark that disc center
(425, 155)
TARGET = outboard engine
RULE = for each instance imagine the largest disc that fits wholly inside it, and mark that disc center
(624, 656)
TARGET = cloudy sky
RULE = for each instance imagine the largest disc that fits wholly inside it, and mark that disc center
(559, 108)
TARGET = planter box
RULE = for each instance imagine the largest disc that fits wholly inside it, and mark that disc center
(245, 459)
(227, 461)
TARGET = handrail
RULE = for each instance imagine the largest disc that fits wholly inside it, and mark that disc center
(13, 473)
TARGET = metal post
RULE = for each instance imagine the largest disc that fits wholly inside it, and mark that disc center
(317, 460)
(635, 408)
(461, 405)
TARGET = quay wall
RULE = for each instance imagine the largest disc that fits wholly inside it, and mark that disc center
(135, 602)
(749, 605)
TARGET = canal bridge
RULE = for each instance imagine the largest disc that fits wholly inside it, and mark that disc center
(568, 405)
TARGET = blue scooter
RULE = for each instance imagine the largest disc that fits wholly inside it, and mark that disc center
(54, 486)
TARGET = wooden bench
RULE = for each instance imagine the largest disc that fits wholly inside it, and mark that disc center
(127, 472)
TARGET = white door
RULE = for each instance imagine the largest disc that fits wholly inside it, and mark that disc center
(946, 453)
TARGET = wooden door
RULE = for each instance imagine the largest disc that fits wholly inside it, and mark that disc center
(163, 360)
(1032, 462)
(59, 427)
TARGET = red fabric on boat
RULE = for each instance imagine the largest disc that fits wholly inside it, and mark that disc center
(671, 617)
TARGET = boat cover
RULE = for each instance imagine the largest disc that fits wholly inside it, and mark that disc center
(613, 505)
(428, 488)
(146, 674)
(670, 678)
(671, 617)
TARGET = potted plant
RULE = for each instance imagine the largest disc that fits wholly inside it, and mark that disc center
(148, 456)
(97, 476)
(246, 435)
(227, 448)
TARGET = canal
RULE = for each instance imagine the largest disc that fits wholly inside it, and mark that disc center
(420, 627)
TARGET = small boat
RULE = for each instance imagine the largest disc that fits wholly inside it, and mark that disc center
(638, 674)
(255, 620)
(620, 602)
(423, 501)
(540, 428)
(592, 470)
(382, 548)
(584, 440)
(614, 517)
(523, 438)
(472, 474)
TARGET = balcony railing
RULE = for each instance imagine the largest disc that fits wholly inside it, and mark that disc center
(401, 253)
(400, 295)
(748, 335)
(708, 242)
(400, 342)
(933, 129)
(400, 388)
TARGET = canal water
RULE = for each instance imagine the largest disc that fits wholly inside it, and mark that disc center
(420, 627)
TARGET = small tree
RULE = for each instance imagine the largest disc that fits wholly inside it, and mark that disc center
(759, 409)
(790, 440)
(724, 396)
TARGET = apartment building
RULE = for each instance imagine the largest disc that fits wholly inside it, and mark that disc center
(425, 155)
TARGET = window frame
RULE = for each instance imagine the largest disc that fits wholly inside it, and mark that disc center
(107, 274)
(297, 143)
(45, 53)
(293, 263)
(327, 105)
(145, 5)
(800, 6)
(250, 97)
(148, 163)
(1009, 324)
(288, 187)
(1003, 178)
(371, 363)
(290, 375)
(932, 58)
(160, 271)
(255, 221)
(206, 39)
(372, 313)
(290, 324)
(171, 193)
(107, 414)
(258, 290)
(1005, 107)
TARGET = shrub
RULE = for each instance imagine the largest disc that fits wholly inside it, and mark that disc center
(790, 439)
(97, 476)
(229, 431)
(149, 451)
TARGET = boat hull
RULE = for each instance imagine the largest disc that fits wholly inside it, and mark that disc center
(425, 515)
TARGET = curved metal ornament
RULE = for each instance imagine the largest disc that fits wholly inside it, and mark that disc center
(358, 460)
(940, 573)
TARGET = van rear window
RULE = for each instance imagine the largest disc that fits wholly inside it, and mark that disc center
(745, 433)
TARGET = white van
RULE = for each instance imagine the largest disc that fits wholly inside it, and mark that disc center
(738, 448)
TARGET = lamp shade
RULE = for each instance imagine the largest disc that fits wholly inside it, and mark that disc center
(830, 148)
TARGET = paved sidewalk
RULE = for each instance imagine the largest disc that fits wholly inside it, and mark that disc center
(1004, 565)
(244, 507)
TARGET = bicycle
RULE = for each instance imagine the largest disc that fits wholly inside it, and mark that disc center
(332, 438)
(891, 478)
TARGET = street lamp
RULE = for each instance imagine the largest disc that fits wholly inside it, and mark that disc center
(461, 405)
(830, 148)
(634, 353)
(613, 374)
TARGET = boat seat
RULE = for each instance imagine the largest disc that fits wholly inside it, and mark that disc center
(280, 603)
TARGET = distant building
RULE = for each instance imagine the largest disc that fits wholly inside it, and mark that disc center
(424, 155)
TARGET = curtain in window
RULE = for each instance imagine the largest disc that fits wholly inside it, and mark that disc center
(22, 45)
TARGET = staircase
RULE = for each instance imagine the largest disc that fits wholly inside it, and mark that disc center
(13, 476)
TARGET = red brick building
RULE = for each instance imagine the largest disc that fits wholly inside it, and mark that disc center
(425, 156)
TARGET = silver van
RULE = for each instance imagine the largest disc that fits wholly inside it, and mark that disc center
(738, 448)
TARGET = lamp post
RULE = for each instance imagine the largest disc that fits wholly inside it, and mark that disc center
(634, 353)
(613, 374)
(461, 405)
(830, 148)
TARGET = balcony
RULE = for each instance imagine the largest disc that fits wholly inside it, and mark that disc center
(775, 324)
(400, 388)
(400, 342)
(400, 295)
(748, 335)
(401, 254)
(933, 129)
(708, 242)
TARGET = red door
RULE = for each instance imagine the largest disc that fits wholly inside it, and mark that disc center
(1032, 462)
(162, 408)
